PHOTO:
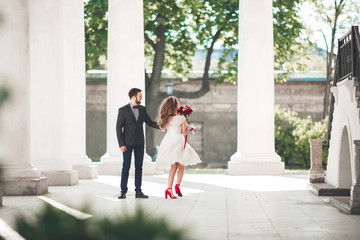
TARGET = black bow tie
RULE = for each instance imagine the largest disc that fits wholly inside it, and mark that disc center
(137, 106)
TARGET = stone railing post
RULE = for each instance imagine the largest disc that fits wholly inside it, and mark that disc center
(355, 189)
(316, 173)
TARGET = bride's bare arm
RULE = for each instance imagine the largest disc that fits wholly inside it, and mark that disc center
(183, 128)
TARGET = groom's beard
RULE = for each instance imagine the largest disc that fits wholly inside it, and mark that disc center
(137, 101)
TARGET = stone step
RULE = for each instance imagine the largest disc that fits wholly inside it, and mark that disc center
(325, 189)
(343, 204)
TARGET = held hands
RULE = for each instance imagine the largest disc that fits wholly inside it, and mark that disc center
(123, 149)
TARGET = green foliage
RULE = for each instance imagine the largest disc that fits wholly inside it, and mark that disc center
(96, 26)
(186, 24)
(53, 224)
(4, 94)
(289, 46)
(218, 21)
(137, 227)
(170, 22)
(292, 135)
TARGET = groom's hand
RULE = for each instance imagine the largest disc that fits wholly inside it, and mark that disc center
(123, 149)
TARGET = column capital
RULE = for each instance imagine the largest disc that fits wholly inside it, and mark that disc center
(316, 141)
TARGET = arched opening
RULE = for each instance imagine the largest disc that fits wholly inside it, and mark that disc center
(345, 161)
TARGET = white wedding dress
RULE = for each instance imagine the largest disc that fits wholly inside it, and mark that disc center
(171, 148)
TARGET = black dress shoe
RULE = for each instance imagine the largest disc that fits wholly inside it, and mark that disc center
(140, 195)
(122, 196)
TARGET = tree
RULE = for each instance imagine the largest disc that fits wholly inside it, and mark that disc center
(217, 21)
(332, 14)
(290, 41)
(96, 26)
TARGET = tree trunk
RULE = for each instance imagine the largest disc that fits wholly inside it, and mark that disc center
(205, 86)
(327, 88)
(153, 94)
(329, 63)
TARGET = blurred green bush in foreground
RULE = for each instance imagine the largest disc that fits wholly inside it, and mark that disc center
(54, 224)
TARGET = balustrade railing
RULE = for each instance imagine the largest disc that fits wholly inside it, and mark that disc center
(347, 65)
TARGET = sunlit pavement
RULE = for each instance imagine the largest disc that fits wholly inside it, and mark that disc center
(214, 206)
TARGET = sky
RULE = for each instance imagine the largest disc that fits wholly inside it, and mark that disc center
(319, 29)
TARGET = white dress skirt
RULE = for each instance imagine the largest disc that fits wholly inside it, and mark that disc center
(171, 148)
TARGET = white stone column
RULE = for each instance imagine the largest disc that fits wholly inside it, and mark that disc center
(125, 71)
(74, 89)
(316, 172)
(47, 88)
(355, 189)
(255, 143)
(19, 176)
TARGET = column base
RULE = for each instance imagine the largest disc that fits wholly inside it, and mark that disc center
(64, 178)
(108, 168)
(316, 176)
(113, 166)
(240, 165)
(149, 167)
(109, 165)
(24, 187)
(86, 171)
(355, 197)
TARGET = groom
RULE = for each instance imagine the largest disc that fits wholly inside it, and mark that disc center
(130, 135)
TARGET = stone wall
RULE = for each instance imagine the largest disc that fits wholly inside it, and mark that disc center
(214, 116)
(306, 98)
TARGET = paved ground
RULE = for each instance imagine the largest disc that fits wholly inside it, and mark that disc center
(214, 206)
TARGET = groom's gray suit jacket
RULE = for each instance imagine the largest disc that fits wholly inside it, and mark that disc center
(129, 131)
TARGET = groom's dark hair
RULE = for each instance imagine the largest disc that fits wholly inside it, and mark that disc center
(133, 92)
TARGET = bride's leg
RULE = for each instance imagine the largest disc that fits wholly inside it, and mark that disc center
(171, 176)
(180, 174)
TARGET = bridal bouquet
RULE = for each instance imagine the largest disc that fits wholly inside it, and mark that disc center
(186, 111)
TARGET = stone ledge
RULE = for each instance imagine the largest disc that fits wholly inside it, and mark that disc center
(62, 178)
(325, 189)
(115, 169)
(86, 171)
(23, 187)
(343, 204)
(247, 168)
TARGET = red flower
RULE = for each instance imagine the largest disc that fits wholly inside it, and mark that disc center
(185, 111)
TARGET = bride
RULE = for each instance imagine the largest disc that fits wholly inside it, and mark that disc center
(172, 153)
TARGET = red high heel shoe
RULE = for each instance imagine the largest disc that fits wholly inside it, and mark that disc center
(177, 190)
(168, 193)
